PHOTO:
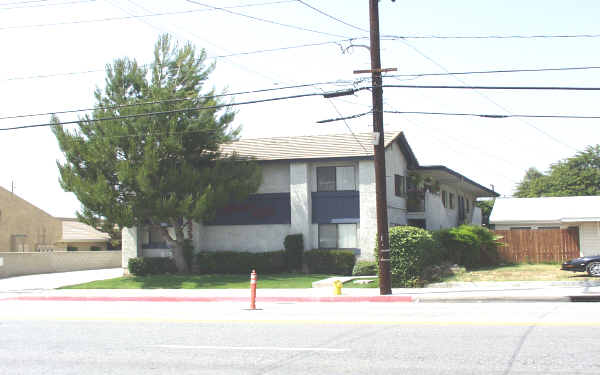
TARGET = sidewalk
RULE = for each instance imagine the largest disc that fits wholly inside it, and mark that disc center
(498, 292)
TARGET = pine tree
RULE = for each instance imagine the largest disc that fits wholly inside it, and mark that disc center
(155, 170)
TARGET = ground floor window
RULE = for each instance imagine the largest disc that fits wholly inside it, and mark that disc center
(337, 236)
(419, 223)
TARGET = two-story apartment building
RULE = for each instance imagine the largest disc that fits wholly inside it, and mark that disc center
(324, 187)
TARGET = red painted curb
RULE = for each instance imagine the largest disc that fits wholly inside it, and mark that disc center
(215, 299)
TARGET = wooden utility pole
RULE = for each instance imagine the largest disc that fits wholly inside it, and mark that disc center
(383, 239)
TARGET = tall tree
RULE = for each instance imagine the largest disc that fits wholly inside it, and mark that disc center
(577, 175)
(132, 167)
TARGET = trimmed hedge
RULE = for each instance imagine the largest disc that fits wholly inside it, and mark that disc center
(232, 262)
(470, 245)
(294, 247)
(151, 266)
(411, 250)
(337, 262)
(365, 268)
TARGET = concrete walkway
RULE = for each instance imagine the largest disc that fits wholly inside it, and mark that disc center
(49, 281)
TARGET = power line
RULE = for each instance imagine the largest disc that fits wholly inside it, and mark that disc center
(148, 114)
(265, 20)
(483, 115)
(46, 5)
(535, 36)
(492, 116)
(332, 17)
(107, 19)
(484, 96)
(495, 71)
(551, 88)
(574, 68)
(174, 100)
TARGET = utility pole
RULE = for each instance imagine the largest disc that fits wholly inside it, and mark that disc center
(383, 239)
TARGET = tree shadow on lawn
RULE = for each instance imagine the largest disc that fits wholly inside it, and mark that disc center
(224, 281)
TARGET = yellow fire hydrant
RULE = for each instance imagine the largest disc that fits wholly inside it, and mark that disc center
(337, 287)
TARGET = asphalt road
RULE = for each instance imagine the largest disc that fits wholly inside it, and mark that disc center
(361, 338)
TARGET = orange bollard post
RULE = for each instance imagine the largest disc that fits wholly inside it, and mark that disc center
(253, 290)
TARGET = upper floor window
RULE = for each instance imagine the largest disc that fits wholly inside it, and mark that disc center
(400, 185)
(444, 198)
(467, 205)
(335, 178)
(451, 200)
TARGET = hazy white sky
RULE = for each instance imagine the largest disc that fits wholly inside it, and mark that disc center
(71, 41)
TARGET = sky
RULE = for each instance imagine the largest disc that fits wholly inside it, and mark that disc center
(55, 53)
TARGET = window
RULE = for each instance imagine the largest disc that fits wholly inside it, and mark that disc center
(337, 236)
(444, 198)
(467, 205)
(451, 200)
(400, 185)
(335, 178)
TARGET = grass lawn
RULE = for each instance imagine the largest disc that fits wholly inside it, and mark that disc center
(285, 280)
(520, 272)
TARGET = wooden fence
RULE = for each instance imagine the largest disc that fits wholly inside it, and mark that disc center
(539, 246)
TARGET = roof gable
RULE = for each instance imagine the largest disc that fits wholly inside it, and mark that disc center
(314, 147)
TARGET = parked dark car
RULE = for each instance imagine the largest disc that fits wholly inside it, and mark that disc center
(590, 264)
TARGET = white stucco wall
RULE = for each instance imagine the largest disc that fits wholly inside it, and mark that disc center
(395, 163)
(129, 245)
(300, 200)
(368, 209)
(476, 216)
(435, 216)
(589, 238)
(252, 238)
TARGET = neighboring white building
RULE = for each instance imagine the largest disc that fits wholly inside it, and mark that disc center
(552, 212)
(324, 187)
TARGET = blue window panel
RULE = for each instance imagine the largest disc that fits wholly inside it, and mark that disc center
(258, 209)
(335, 207)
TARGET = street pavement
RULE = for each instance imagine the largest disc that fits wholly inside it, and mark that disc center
(133, 337)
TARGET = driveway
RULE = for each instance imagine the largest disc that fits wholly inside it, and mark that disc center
(56, 280)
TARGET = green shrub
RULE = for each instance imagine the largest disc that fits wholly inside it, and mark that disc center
(365, 268)
(411, 250)
(71, 248)
(337, 262)
(94, 248)
(470, 245)
(151, 266)
(232, 262)
(294, 247)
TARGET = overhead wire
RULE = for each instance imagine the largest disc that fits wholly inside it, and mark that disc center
(148, 114)
(176, 99)
(46, 5)
(108, 19)
(227, 10)
(415, 49)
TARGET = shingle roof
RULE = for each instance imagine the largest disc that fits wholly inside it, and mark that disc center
(546, 209)
(307, 147)
(75, 231)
